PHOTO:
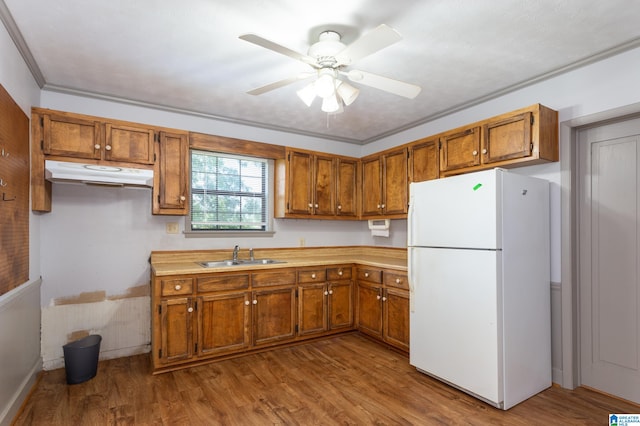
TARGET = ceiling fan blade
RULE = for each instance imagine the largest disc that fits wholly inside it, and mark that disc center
(279, 84)
(387, 84)
(369, 43)
(267, 44)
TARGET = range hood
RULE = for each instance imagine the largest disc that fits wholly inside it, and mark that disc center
(62, 171)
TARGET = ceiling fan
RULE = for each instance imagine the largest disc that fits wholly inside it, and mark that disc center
(329, 58)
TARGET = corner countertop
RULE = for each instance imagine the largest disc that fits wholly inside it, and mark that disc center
(186, 262)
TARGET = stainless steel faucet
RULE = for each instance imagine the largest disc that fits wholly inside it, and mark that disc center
(235, 253)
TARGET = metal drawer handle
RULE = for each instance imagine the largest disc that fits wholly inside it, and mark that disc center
(398, 281)
(178, 287)
(340, 272)
(190, 309)
(366, 275)
(246, 302)
(313, 276)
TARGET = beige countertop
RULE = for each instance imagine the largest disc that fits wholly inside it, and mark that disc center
(186, 262)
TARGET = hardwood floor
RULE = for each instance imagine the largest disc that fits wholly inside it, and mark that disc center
(347, 379)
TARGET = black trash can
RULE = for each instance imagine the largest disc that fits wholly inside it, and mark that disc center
(81, 358)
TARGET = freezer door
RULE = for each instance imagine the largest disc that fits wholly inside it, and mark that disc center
(454, 318)
(458, 211)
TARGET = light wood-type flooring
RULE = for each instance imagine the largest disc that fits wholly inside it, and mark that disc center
(344, 380)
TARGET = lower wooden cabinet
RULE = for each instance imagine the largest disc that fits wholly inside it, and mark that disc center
(223, 323)
(203, 317)
(325, 306)
(274, 315)
(383, 305)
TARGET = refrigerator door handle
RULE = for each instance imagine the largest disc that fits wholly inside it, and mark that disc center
(412, 272)
(410, 214)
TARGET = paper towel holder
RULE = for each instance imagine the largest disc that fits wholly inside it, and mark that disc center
(379, 224)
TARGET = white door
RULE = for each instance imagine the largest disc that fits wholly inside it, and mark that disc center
(609, 257)
(454, 318)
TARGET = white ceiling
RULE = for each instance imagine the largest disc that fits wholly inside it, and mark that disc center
(186, 55)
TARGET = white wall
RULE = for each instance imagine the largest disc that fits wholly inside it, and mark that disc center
(19, 308)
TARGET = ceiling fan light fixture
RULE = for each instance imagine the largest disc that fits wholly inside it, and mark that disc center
(347, 92)
(307, 94)
(326, 83)
(330, 104)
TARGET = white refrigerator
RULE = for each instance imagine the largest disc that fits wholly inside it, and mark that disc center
(479, 276)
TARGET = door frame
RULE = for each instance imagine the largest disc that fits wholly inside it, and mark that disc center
(570, 296)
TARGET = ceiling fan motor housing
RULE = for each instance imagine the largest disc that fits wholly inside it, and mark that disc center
(326, 48)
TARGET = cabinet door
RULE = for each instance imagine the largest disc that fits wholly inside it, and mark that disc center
(299, 183)
(395, 182)
(460, 149)
(346, 187)
(424, 161)
(176, 322)
(312, 309)
(170, 189)
(340, 304)
(396, 318)
(369, 309)
(71, 137)
(274, 313)
(324, 185)
(371, 186)
(508, 138)
(223, 323)
(129, 144)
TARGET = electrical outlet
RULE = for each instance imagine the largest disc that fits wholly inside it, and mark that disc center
(301, 242)
(172, 228)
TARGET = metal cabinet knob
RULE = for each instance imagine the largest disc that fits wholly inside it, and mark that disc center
(339, 206)
(384, 299)
(366, 275)
(340, 272)
(316, 206)
(255, 302)
(475, 152)
(246, 302)
(182, 198)
(190, 309)
(484, 151)
(178, 287)
(382, 206)
(108, 147)
(326, 293)
(313, 276)
(96, 146)
(310, 205)
(330, 291)
(398, 281)
(378, 205)
(378, 297)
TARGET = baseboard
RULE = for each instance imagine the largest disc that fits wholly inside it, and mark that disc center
(20, 396)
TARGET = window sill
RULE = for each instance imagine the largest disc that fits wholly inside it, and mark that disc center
(227, 234)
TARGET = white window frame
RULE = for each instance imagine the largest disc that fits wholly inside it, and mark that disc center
(269, 199)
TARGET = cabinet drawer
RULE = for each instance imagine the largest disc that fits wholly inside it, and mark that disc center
(396, 280)
(339, 273)
(273, 278)
(371, 275)
(317, 275)
(223, 282)
(175, 287)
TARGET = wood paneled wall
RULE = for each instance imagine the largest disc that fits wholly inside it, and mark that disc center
(14, 194)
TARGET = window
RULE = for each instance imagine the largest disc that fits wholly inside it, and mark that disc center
(230, 193)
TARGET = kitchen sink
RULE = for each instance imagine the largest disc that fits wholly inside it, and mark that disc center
(222, 263)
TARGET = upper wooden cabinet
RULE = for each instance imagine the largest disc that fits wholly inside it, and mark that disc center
(70, 135)
(384, 183)
(130, 144)
(171, 174)
(424, 160)
(318, 185)
(528, 135)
